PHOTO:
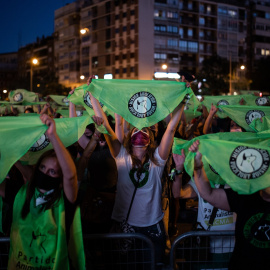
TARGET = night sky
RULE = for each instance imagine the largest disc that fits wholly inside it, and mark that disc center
(22, 21)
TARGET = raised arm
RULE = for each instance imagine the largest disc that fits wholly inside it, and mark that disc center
(70, 183)
(178, 191)
(72, 107)
(88, 151)
(167, 138)
(112, 140)
(119, 127)
(215, 196)
(208, 122)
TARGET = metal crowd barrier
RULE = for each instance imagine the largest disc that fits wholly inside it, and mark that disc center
(202, 250)
(194, 250)
(4, 249)
(103, 251)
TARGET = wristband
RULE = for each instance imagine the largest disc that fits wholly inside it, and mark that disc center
(198, 167)
(174, 172)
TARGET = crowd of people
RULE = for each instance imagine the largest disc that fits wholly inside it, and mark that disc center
(125, 179)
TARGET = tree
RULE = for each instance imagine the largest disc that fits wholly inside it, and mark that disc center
(215, 71)
(260, 76)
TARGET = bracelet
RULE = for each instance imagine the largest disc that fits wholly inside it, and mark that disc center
(174, 172)
(178, 172)
(198, 167)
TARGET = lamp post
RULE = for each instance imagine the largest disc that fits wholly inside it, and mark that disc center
(84, 32)
(4, 94)
(33, 62)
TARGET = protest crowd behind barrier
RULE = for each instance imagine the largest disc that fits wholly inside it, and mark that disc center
(126, 156)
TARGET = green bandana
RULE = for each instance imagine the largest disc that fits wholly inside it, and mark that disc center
(39, 200)
(144, 174)
(141, 103)
(241, 160)
(20, 95)
(39, 241)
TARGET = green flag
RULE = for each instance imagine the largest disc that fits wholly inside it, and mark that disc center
(241, 161)
(260, 124)
(80, 97)
(252, 100)
(244, 115)
(69, 131)
(20, 134)
(228, 100)
(141, 103)
(60, 100)
(20, 95)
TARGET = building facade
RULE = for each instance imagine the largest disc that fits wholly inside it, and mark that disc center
(138, 39)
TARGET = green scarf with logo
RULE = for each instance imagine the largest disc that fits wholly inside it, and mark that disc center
(244, 115)
(39, 241)
(20, 95)
(20, 134)
(241, 160)
(142, 103)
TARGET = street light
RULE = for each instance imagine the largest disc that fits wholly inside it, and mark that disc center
(83, 31)
(33, 62)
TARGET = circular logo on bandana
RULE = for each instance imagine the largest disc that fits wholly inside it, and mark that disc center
(261, 101)
(249, 163)
(65, 100)
(79, 113)
(213, 170)
(40, 144)
(142, 104)
(257, 230)
(222, 102)
(18, 97)
(253, 114)
(87, 101)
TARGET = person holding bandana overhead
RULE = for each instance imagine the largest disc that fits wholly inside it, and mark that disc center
(140, 164)
(46, 227)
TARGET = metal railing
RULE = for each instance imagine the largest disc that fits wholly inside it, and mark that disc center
(104, 251)
(202, 250)
(191, 250)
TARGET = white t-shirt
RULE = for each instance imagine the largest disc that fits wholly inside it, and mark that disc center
(146, 209)
(224, 221)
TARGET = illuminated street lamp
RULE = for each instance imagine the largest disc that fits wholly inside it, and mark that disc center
(82, 77)
(33, 62)
(242, 67)
(83, 31)
(164, 66)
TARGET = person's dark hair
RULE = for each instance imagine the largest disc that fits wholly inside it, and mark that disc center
(32, 185)
(136, 163)
(29, 109)
(223, 125)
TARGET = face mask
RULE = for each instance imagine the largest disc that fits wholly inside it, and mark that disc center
(46, 182)
(140, 138)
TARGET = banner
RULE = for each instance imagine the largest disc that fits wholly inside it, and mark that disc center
(244, 115)
(20, 134)
(142, 103)
(241, 161)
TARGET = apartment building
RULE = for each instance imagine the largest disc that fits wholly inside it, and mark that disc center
(8, 72)
(43, 70)
(143, 39)
(258, 35)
